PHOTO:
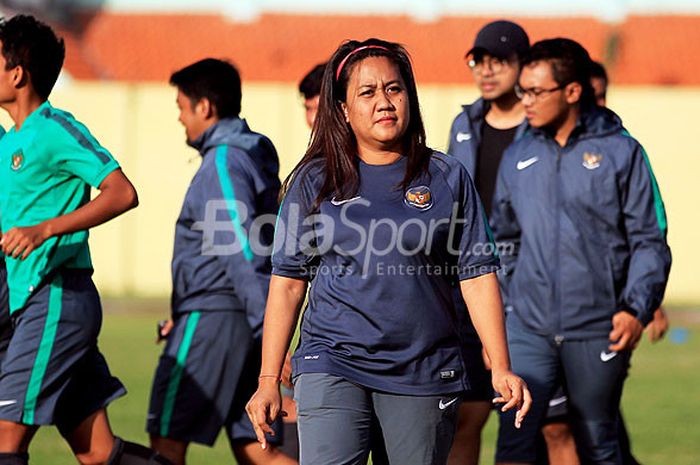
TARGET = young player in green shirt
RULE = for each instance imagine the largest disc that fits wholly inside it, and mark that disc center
(53, 372)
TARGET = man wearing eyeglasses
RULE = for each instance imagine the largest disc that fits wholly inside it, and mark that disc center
(479, 135)
(482, 131)
(578, 195)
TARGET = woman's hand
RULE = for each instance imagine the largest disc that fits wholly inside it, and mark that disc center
(281, 313)
(264, 407)
(513, 392)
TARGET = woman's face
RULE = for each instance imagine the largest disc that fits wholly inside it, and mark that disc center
(376, 105)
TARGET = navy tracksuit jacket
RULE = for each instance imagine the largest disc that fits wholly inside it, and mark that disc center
(588, 228)
(217, 264)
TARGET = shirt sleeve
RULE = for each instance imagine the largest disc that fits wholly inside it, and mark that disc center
(645, 223)
(451, 141)
(506, 230)
(477, 250)
(80, 154)
(247, 264)
(295, 254)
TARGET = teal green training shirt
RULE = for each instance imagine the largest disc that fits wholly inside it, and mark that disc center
(46, 170)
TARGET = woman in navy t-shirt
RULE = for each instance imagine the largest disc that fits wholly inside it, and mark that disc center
(384, 229)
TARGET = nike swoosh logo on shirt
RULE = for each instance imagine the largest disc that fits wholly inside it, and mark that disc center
(3, 403)
(444, 405)
(463, 136)
(522, 164)
(341, 202)
(607, 357)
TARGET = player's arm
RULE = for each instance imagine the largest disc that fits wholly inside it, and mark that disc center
(247, 268)
(281, 314)
(506, 231)
(483, 301)
(292, 262)
(117, 195)
(650, 260)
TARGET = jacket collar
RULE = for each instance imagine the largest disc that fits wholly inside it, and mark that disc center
(592, 122)
(477, 110)
(218, 133)
(476, 113)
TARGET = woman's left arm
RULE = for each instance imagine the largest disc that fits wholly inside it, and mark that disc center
(483, 299)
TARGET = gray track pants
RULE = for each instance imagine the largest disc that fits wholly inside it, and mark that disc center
(335, 418)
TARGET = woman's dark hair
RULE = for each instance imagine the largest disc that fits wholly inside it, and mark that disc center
(332, 139)
(569, 61)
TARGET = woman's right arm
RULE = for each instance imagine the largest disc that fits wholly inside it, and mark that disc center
(284, 301)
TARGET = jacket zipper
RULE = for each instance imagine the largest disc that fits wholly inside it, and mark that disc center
(557, 288)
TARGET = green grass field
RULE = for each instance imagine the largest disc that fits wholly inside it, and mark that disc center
(660, 401)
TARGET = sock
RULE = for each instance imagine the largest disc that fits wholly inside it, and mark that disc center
(8, 458)
(129, 453)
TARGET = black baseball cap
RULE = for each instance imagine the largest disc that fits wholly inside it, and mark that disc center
(501, 39)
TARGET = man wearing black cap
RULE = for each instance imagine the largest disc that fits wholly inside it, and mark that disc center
(478, 138)
(483, 130)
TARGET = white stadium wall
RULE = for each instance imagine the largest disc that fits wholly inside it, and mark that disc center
(138, 124)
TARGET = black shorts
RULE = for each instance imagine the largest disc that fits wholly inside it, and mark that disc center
(480, 387)
(5, 323)
(205, 377)
(53, 372)
(558, 407)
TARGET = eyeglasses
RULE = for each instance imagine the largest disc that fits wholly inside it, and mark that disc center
(496, 65)
(535, 93)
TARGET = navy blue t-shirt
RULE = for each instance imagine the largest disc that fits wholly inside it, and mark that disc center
(383, 267)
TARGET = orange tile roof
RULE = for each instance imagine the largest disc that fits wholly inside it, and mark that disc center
(145, 47)
(660, 50)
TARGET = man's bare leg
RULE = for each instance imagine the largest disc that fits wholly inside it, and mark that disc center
(171, 449)
(561, 447)
(467, 443)
(250, 453)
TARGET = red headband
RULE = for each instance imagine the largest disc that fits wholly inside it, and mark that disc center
(365, 47)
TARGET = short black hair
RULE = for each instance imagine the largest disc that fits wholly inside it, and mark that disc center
(310, 85)
(598, 71)
(570, 62)
(216, 80)
(33, 45)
